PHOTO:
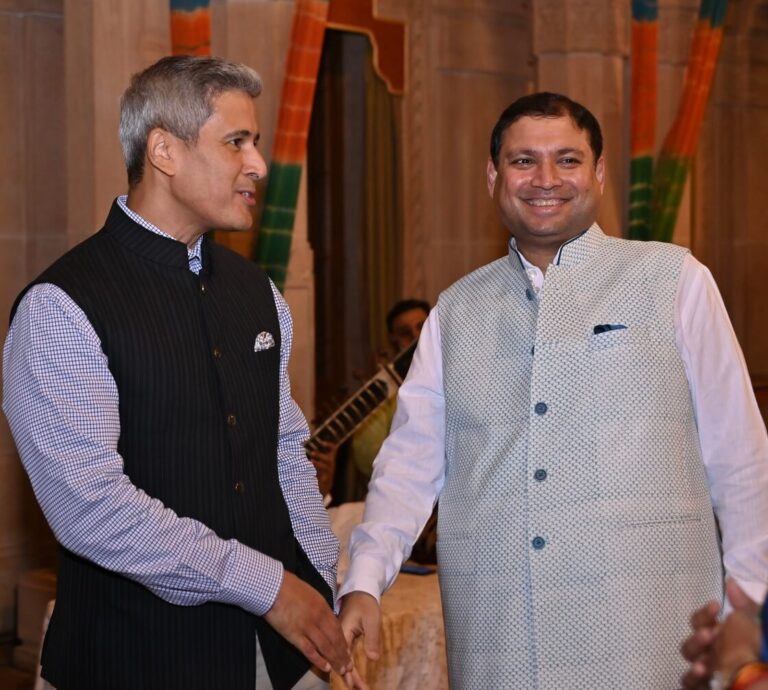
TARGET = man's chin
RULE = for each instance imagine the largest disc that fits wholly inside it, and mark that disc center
(240, 226)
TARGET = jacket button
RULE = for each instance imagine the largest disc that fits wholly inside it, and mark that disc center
(540, 408)
(203, 287)
(217, 353)
(540, 475)
(231, 420)
(239, 488)
(538, 543)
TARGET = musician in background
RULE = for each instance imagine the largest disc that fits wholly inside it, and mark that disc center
(404, 323)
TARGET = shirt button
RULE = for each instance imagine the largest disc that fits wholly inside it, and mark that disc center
(529, 293)
(538, 543)
(231, 420)
(540, 475)
(217, 353)
(239, 488)
(540, 408)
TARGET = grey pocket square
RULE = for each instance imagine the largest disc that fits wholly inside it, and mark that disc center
(264, 341)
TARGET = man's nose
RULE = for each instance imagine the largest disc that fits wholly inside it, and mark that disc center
(254, 165)
(547, 175)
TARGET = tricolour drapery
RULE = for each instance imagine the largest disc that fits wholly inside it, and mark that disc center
(274, 243)
(655, 194)
(190, 27)
(680, 145)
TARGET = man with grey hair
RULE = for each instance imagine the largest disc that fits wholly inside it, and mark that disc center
(146, 389)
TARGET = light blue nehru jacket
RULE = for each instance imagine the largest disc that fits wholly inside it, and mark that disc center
(576, 531)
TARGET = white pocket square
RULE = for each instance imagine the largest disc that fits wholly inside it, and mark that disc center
(264, 341)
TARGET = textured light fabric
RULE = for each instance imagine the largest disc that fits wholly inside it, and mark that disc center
(576, 531)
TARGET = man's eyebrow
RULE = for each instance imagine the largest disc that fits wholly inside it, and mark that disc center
(534, 152)
(570, 149)
(243, 134)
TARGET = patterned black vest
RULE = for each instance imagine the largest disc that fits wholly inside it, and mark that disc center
(199, 419)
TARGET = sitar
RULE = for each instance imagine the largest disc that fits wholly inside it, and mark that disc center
(360, 405)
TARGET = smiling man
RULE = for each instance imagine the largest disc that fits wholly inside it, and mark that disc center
(145, 382)
(582, 409)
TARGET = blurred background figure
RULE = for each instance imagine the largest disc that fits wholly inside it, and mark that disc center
(343, 470)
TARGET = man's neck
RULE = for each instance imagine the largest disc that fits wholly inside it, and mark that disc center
(541, 257)
(150, 207)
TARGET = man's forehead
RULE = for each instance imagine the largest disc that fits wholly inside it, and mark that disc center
(530, 133)
(234, 110)
(543, 124)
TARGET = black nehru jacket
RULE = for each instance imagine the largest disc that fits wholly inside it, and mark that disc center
(199, 418)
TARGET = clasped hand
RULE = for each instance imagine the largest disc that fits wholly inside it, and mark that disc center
(302, 616)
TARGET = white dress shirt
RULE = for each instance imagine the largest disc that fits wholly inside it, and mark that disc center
(409, 471)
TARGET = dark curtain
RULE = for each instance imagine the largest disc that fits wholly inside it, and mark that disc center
(354, 215)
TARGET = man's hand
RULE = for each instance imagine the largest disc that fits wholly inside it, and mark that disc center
(303, 617)
(361, 616)
(737, 643)
(700, 647)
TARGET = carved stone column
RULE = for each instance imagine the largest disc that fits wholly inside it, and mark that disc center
(32, 232)
(582, 50)
(467, 61)
(257, 33)
(105, 42)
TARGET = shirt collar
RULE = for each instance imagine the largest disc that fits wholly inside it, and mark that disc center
(570, 253)
(194, 253)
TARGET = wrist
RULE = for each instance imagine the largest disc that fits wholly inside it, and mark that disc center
(747, 675)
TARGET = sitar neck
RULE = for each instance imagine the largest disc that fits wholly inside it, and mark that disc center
(357, 408)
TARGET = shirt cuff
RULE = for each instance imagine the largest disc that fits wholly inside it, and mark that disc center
(365, 574)
(754, 590)
(253, 582)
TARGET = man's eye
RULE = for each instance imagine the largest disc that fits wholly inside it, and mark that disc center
(570, 161)
(237, 143)
(522, 161)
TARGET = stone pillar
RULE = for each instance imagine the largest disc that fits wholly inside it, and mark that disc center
(258, 32)
(106, 42)
(466, 61)
(582, 50)
(32, 232)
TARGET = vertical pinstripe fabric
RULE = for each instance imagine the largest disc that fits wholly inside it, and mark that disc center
(199, 419)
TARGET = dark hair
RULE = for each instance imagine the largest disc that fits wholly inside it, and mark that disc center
(546, 104)
(403, 306)
(177, 94)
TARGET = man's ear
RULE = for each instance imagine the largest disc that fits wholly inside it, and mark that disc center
(600, 172)
(162, 151)
(491, 173)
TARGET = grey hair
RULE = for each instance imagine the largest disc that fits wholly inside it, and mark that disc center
(176, 94)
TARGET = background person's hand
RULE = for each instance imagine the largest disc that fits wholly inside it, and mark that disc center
(303, 617)
(704, 649)
(698, 646)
